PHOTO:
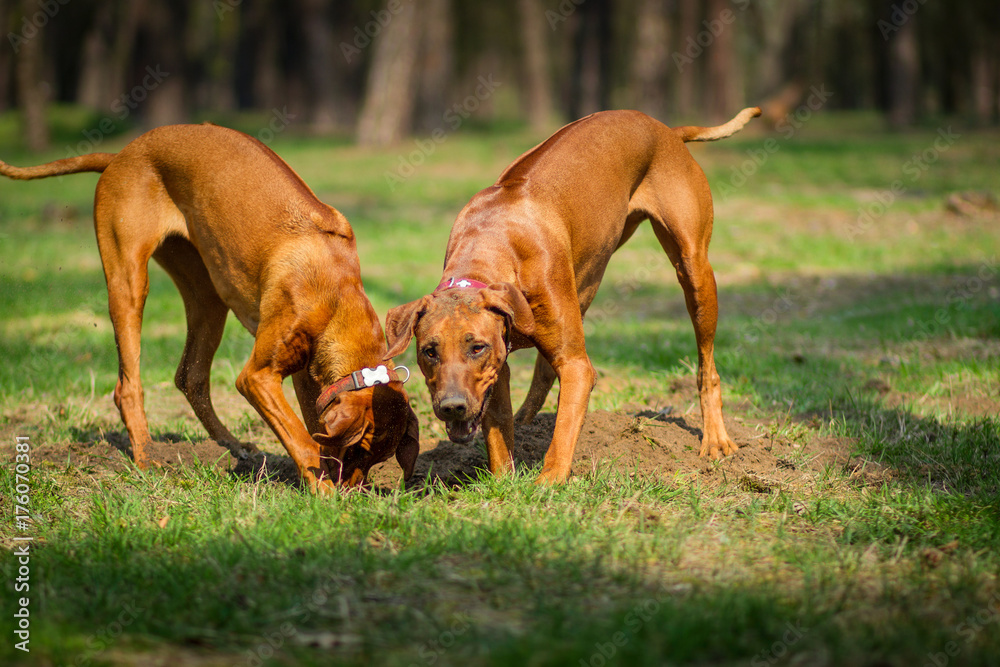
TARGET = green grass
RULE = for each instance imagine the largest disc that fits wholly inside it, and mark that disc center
(885, 341)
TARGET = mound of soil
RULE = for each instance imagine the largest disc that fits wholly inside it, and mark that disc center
(643, 443)
(639, 442)
(113, 453)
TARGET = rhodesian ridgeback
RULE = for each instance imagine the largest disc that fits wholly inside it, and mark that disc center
(237, 229)
(525, 259)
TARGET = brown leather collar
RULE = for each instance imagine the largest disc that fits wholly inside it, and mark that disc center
(360, 379)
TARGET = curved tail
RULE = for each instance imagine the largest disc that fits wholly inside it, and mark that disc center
(70, 165)
(696, 133)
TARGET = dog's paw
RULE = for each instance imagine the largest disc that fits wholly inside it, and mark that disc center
(552, 476)
(241, 451)
(717, 449)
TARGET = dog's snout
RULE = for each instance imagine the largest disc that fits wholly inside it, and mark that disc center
(453, 408)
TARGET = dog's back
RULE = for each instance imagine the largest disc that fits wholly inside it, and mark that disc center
(585, 175)
(250, 218)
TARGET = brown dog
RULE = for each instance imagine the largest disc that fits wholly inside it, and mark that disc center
(524, 262)
(237, 229)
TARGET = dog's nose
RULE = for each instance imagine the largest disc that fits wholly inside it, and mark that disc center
(452, 408)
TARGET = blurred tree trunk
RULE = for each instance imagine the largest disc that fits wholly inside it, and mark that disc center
(590, 89)
(651, 59)
(107, 52)
(985, 89)
(436, 63)
(985, 63)
(319, 53)
(93, 91)
(723, 68)
(904, 73)
(386, 113)
(6, 27)
(688, 80)
(776, 19)
(266, 79)
(166, 93)
(222, 55)
(129, 14)
(30, 87)
(538, 98)
(199, 40)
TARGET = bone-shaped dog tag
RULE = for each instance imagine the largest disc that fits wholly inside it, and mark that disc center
(374, 376)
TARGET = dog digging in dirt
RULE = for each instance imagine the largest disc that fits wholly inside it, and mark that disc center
(524, 261)
(237, 229)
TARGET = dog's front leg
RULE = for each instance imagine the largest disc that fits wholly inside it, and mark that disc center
(541, 385)
(576, 381)
(278, 352)
(498, 424)
(262, 388)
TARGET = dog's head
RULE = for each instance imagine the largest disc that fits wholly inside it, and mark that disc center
(462, 343)
(366, 427)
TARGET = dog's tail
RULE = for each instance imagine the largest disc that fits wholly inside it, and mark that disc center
(696, 133)
(70, 165)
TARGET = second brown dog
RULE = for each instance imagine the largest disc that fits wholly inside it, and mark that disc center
(525, 259)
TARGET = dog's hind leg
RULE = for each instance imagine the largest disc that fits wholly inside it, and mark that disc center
(541, 384)
(126, 272)
(206, 321)
(684, 228)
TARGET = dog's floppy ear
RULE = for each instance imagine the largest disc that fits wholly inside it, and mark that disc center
(399, 323)
(409, 445)
(396, 423)
(347, 420)
(507, 300)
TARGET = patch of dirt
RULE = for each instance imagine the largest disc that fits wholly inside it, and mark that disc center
(643, 443)
(111, 452)
(636, 440)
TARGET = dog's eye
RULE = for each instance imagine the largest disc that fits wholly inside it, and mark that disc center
(430, 353)
(478, 348)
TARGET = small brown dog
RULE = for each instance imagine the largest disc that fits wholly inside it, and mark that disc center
(237, 229)
(524, 262)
